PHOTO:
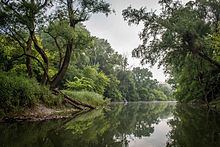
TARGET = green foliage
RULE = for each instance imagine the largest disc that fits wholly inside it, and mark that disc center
(112, 90)
(201, 85)
(145, 94)
(91, 80)
(87, 97)
(8, 49)
(80, 84)
(184, 38)
(127, 86)
(101, 83)
(137, 85)
(118, 82)
(159, 95)
(23, 21)
(102, 54)
(49, 99)
(62, 47)
(19, 92)
(189, 127)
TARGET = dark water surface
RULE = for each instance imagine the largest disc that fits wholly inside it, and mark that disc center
(154, 124)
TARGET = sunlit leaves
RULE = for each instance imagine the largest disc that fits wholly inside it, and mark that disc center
(80, 84)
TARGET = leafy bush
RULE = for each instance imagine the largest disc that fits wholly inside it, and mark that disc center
(87, 97)
(100, 80)
(80, 84)
(18, 92)
(145, 94)
(159, 95)
(101, 83)
(91, 80)
(48, 98)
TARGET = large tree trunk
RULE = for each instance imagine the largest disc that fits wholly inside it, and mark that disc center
(28, 59)
(69, 49)
(60, 52)
(45, 76)
(61, 73)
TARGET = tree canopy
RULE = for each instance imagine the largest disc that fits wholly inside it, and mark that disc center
(182, 38)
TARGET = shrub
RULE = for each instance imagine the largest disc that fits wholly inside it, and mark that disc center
(19, 92)
(97, 83)
(87, 97)
(159, 95)
(48, 98)
(80, 84)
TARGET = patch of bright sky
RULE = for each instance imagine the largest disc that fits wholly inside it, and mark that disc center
(122, 37)
(157, 139)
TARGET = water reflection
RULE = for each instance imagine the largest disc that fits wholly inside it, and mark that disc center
(193, 126)
(133, 125)
(117, 126)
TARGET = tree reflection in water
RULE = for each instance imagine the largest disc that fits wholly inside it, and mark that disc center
(135, 124)
(192, 127)
(113, 127)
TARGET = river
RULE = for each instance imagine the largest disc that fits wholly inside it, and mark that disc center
(145, 124)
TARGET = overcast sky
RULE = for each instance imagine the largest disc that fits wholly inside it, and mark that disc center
(123, 38)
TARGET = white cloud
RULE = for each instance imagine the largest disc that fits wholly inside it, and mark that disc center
(123, 38)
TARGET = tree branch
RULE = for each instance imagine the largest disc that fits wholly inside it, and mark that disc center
(43, 5)
(58, 46)
(33, 57)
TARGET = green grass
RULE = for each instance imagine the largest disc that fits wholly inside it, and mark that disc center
(87, 97)
(20, 92)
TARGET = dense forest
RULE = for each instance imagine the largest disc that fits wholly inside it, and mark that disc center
(48, 56)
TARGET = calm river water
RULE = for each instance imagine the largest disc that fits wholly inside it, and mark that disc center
(153, 124)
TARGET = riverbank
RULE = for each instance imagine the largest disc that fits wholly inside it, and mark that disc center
(73, 104)
(41, 112)
(23, 98)
(213, 105)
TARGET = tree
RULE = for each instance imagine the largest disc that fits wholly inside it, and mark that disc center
(20, 19)
(171, 38)
(127, 85)
(143, 78)
(173, 31)
(112, 90)
(144, 83)
(76, 12)
(102, 54)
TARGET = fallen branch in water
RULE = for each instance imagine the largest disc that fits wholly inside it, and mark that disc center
(75, 103)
